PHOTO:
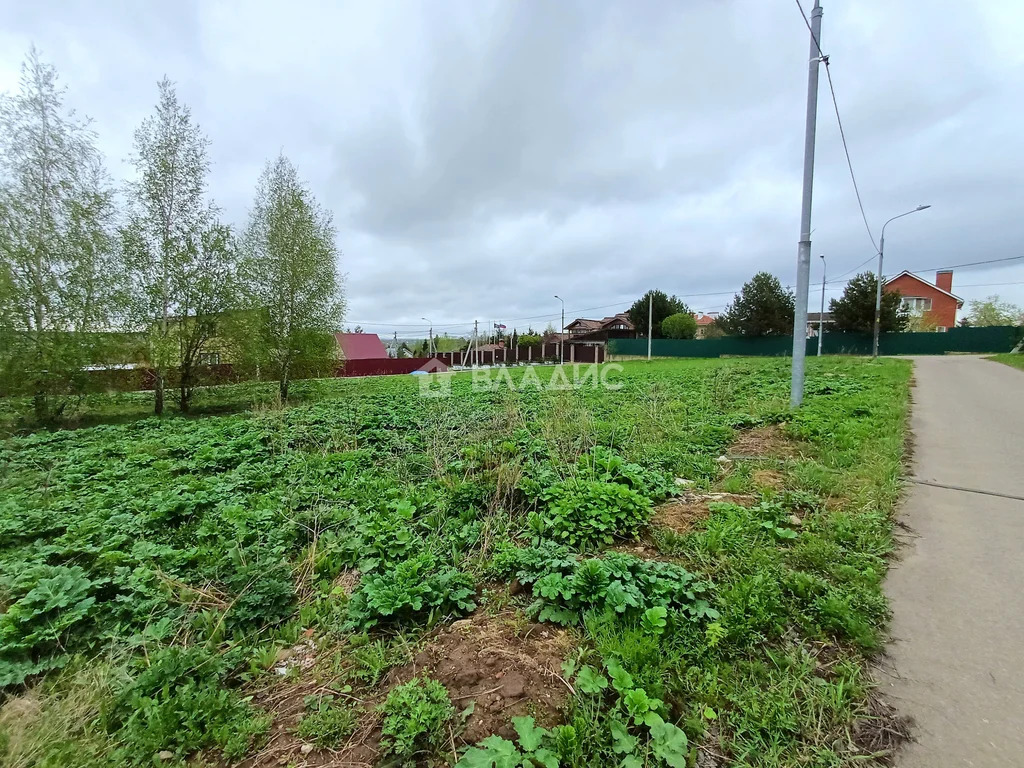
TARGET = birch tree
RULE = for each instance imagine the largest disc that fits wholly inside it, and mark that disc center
(181, 259)
(58, 271)
(289, 274)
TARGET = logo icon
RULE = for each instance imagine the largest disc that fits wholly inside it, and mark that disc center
(432, 385)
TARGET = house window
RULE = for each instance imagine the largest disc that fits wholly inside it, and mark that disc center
(917, 304)
(209, 358)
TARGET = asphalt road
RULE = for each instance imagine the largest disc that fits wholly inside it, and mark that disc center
(956, 662)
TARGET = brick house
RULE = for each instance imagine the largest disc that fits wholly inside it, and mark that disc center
(937, 302)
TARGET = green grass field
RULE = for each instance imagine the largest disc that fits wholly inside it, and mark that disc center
(669, 572)
(1015, 361)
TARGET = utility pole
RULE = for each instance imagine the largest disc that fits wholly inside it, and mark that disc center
(803, 261)
(561, 340)
(821, 315)
(396, 345)
(475, 358)
(650, 319)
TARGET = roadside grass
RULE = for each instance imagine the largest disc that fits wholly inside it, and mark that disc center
(1014, 361)
(166, 583)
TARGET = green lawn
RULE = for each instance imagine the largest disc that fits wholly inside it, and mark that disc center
(345, 572)
(1016, 361)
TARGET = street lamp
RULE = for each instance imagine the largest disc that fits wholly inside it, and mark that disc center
(821, 315)
(561, 341)
(430, 344)
(878, 286)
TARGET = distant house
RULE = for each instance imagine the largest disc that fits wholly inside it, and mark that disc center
(936, 302)
(361, 346)
(613, 327)
(813, 323)
(704, 321)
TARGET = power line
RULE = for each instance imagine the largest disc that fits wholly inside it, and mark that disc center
(554, 316)
(968, 264)
(839, 120)
(987, 285)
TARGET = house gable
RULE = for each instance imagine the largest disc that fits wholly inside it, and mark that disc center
(924, 284)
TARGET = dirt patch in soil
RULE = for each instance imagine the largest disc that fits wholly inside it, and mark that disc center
(768, 478)
(506, 666)
(682, 513)
(286, 700)
(763, 441)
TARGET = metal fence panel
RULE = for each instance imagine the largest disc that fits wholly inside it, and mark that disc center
(989, 340)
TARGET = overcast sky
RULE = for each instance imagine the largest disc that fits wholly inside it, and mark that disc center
(480, 157)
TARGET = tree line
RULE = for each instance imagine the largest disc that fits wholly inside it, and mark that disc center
(764, 307)
(92, 271)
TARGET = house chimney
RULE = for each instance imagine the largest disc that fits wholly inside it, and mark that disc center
(944, 280)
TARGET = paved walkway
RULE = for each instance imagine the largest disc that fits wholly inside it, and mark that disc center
(956, 663)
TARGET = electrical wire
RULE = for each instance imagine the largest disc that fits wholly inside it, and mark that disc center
(842, 131)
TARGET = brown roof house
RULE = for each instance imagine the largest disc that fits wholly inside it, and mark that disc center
(613, 327)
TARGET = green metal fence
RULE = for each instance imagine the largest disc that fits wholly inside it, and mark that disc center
(989, 340)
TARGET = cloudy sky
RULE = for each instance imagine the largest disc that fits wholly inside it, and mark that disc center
(480, 157)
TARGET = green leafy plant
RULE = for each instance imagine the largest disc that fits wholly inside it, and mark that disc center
(566, 588)
(589, 514)
(329, 724)
(411, 591)
(639, 724)
(179, 703)
(496, 752)
(416, 715)
(43, 621)
(265, 594)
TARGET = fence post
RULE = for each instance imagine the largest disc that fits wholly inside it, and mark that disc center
(572, 354)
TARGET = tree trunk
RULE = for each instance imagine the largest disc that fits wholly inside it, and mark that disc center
(158, 394)
(40, 406)
(186, 391)
(284, 385)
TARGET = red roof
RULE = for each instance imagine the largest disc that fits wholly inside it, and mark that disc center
(704, 319)
(361, 346)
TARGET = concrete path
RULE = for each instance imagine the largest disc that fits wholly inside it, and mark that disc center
(956, 663)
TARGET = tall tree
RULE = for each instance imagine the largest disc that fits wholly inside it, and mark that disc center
(290, 279)
(663, 306)
(58, 271)
(994, 311)
(181, 259)
(855, 310)
(761, 308)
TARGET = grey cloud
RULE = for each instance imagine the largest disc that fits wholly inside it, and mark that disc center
(481, 156)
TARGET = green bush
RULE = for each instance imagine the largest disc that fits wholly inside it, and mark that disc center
(415, 590)
(591, 514)
(416, 716)
(565, 588)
